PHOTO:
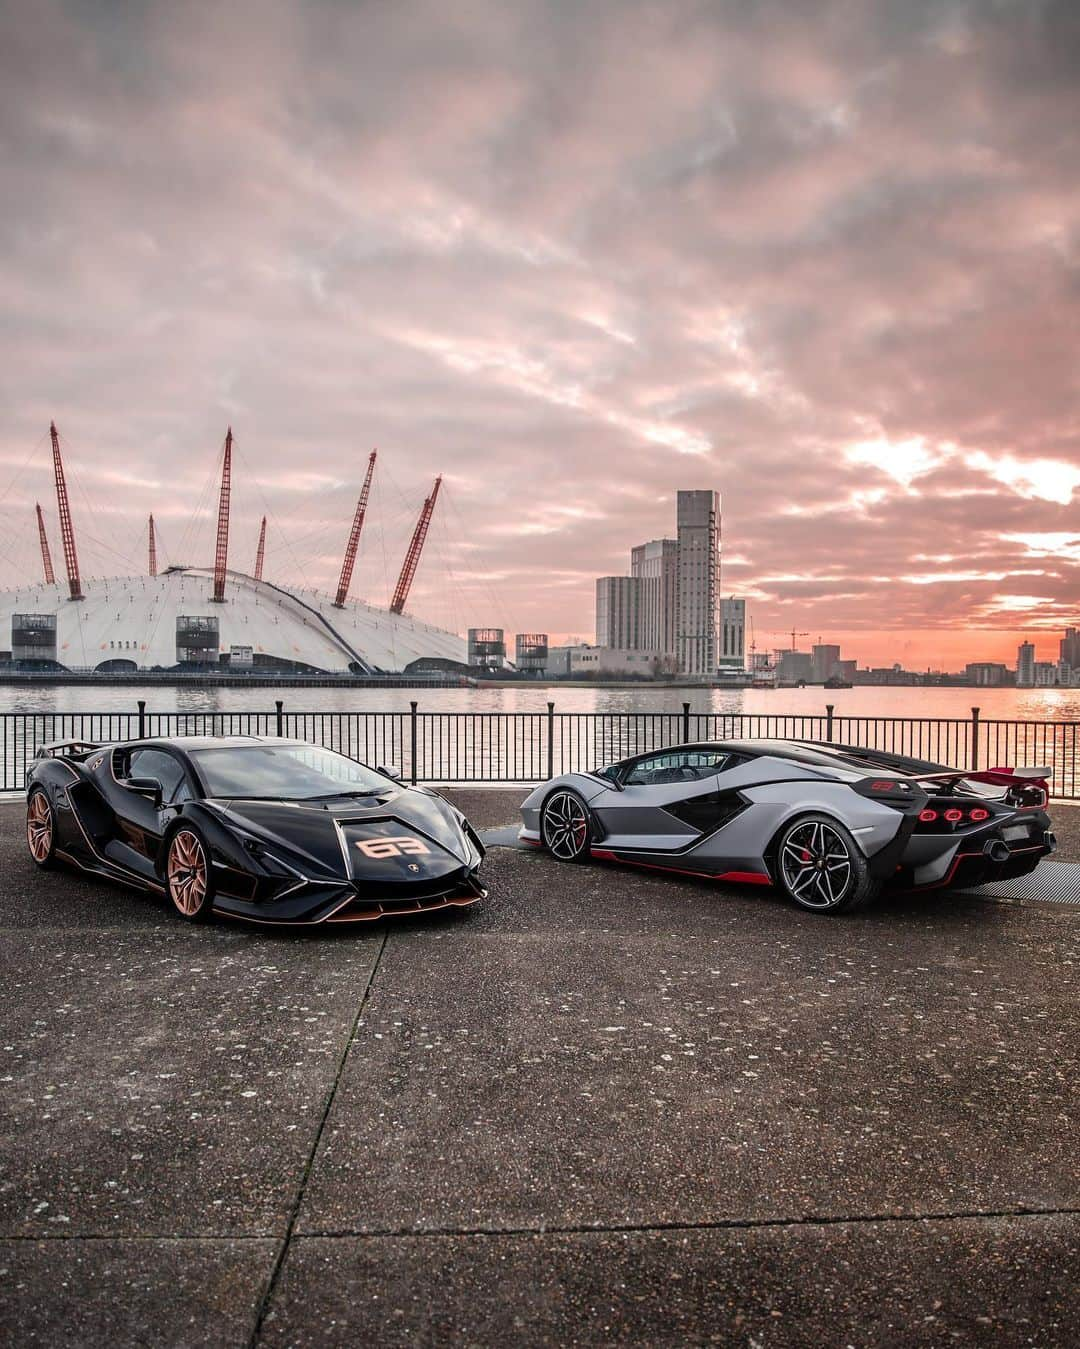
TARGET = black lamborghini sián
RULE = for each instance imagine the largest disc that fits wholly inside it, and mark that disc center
(273, 831)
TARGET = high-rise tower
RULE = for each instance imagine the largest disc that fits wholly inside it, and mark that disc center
(698, 624)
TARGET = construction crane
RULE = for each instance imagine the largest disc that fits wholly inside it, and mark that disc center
(260, 552)
(792, 634)
(412, 557)
(67, 531)
(46, 556)
(152, 559)
(221, 556)
(354, 536)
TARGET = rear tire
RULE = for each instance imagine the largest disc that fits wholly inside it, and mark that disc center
(565, 826)
(41, 829)
(189, 877)
(821, 866)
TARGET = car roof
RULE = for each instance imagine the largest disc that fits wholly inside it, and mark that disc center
(189, 742)
(812, 752)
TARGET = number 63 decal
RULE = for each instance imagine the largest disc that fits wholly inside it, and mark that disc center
(404, 845)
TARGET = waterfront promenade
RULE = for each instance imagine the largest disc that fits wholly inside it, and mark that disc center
(605, 1107)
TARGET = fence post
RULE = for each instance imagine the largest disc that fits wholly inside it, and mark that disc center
(278, 718)
(142, 718)
(974, 739)
(828, 720)
(412, 741)
(551, 741)
(686, 723)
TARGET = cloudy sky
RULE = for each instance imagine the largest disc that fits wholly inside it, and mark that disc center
(823, 257)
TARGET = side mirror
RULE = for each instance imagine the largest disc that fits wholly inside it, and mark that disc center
(148, 787)
(390, 770)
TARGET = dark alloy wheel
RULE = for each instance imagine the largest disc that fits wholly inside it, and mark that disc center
(822, 867)
(41, 830)
(188, 878)
(564, 827)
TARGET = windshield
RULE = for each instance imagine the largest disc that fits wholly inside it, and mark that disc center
(284, 772)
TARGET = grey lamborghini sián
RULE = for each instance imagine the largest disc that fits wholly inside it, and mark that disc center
(828, 824)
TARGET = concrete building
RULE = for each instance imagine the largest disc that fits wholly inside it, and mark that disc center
(1046, 674)
(584, 660)
(617, 610)
(794, 667)
(1069, 658)
(732, 634)
(531, 652)
(655, 567)
(698, 623)
(487, 648)
(986, 674)
(823, 662)
(1025, 665)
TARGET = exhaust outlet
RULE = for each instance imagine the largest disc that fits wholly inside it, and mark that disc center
(996, 850)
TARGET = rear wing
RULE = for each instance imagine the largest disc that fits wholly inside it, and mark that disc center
(922, 770)
(67, 749)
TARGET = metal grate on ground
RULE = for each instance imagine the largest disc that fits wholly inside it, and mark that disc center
(1051, 883)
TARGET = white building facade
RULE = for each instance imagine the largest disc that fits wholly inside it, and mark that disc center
(617, 610)
(655, 567)
(1025, 665)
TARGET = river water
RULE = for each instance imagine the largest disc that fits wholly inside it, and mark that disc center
(1061, 705)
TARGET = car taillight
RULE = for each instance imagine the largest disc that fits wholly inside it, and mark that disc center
(953, 815)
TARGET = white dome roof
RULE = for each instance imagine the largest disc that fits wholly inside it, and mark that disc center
(134, 618)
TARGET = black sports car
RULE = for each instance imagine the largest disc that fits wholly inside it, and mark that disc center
(273, 831)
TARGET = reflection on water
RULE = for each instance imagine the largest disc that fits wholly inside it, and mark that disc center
(1003, 704)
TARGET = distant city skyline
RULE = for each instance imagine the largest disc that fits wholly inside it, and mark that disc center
(572, 258)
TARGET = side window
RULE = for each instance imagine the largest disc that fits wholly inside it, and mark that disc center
(155, 763)
(687, 765)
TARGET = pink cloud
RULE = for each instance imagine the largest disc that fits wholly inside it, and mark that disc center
(573, 259)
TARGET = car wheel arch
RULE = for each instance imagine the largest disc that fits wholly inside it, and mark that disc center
(801, 811)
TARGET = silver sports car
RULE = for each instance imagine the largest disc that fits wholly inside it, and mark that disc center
(829, 824)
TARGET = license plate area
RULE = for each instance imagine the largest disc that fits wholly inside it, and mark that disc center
(1015, 833)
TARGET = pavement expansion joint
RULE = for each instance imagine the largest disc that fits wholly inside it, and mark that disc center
(286, 1241)
(705, 1225)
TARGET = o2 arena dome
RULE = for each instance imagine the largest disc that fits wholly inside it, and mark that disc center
(192, 618)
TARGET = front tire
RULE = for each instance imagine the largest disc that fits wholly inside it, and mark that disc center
(565, 827)
(189, 879)
(821, 866)
(41, 829)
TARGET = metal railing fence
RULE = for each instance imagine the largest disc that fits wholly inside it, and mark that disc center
(525, 747)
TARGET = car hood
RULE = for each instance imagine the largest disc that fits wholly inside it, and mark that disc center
(401, 835)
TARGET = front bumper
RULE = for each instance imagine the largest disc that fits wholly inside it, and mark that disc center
(316, 904)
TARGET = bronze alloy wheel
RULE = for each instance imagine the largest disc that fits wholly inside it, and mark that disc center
(188, 874)
(39, 828)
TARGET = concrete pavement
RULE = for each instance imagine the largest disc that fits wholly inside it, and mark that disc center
(604, 1107)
